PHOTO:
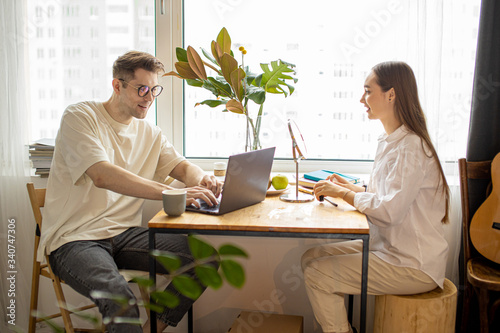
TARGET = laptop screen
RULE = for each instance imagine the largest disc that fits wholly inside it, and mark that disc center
(246, 181)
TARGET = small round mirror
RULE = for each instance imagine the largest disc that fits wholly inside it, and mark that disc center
(298, 141)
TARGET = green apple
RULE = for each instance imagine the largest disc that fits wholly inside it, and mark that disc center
(280, 182)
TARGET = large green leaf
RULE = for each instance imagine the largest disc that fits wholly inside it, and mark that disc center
(118, 299)
(194, 83)
(223, 89)
(200, 249)
(187, 286)
(127, 320)
(208, 276)
(143, 281)
(209, 57)
(233, 272)
(167, 260)
(256, 94)
(290, 88)
(224, 40)
(165, 298)
(181, 54)
(212, 88)
(212, 102)
(228, 249)
(273, 78)
(250, 77)
(154, 307)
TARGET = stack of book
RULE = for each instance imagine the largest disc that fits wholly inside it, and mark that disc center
(310, 179)
(41, 153)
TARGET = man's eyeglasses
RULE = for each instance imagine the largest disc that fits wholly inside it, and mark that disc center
(144, 90)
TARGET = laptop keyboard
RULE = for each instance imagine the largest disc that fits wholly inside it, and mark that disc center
(206, 207)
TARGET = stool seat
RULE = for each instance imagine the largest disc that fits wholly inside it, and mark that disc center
(433, 311)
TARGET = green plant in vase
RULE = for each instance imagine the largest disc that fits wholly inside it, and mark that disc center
(233, 84)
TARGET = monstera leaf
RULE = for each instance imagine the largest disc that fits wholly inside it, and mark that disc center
(272, 79)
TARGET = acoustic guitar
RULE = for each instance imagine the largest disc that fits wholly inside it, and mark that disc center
(485, 224)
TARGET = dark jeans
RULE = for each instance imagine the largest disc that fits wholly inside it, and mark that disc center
(94, 265)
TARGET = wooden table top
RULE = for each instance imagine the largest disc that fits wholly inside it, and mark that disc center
(274, 215)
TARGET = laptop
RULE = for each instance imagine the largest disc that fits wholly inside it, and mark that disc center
(246, 182)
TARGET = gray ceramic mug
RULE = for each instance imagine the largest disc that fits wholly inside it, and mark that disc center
(174, 202)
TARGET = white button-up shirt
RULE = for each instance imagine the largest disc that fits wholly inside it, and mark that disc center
(405, 205)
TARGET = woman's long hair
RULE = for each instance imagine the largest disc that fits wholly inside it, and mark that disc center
(398, 75)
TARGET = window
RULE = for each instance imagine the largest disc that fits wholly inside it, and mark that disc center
(81, 55)
(333, 48)
(94, 12)
(118, 9)
(118, 30)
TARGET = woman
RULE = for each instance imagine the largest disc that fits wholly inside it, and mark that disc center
(406, 201)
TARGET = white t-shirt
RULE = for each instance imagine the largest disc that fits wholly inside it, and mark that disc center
(405, 205)
(75, 209)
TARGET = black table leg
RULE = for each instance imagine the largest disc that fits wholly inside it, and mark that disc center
(190, 320)
(152, 275)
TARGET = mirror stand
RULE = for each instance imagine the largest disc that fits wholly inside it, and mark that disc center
(297, 197)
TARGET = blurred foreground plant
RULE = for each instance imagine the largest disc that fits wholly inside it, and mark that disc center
(234, 85)
(209, 276)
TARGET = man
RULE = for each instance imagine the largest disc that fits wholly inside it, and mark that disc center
(107, 160)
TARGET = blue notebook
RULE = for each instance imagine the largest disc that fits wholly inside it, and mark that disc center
(323, 174)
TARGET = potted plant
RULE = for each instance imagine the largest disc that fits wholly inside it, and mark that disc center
(233, 84)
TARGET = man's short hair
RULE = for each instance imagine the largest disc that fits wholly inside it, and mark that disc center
(125, 66)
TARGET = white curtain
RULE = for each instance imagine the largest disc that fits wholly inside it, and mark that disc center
(434, 26)
(16, 224)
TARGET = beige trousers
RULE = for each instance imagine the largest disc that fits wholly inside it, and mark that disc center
(332, 270)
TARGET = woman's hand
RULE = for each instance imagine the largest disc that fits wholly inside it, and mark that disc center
(341, 181)
(329, 188)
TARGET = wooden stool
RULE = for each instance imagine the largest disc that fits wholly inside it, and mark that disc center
(433, 311)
